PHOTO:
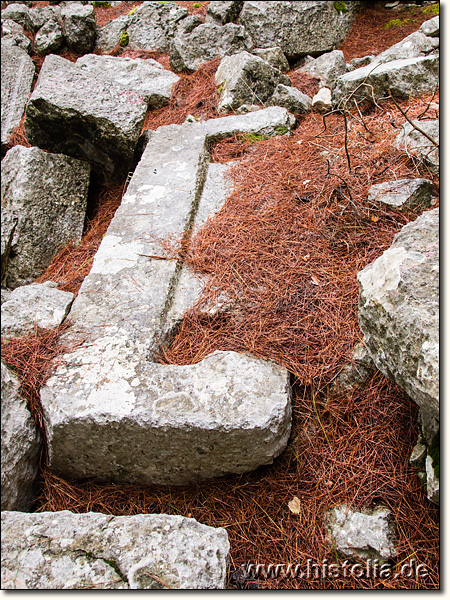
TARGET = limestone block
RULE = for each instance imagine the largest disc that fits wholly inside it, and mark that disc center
(403, 193)
(413, 142)
(223, 12)
(79, 26)
(414, 45)
(153, 25)
(49, 38)
(290, 98)
(274, 56)
(327, 67)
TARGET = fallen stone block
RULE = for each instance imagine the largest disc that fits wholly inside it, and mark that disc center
(399, 314)
(148, 78)
(414, 45)
(44, 208)
(246, 79)
(431, 27)
(79, 26)
(403, 193)
(153, 25)
(414, 143)
(403, 78)
(63, 550)
(49, 38)
(188, 51)
(37, 304)
(366, 534)
(290, 98)
(321, 102)
(16, 11)
(274, 56)
(20, 448)
(74, 112)
(132, 418)
(35, 18)
(17, 39)
(17, 77)
(327, 68)
(298, 28)
(223, 12)
(108, 36)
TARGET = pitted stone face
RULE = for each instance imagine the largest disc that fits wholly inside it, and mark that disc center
(111, 411)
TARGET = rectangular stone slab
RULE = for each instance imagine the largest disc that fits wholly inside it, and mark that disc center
(111, 412)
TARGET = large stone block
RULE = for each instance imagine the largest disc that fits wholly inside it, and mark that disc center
(111, 412)
(414, 45)
(79, 26)
(148, 78)
(62, 550)
(74, 112)
(153, 25)
(190, 50)
(403, 78)
(299, 28)
(45, 198)
(21, 445)
(399, 314)
(17, 77)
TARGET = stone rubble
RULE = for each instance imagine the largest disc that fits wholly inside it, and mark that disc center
(67, 551)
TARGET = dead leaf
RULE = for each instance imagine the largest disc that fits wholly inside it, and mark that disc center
(314, 280)
(374, 219)
(306, 257)
(294, 505)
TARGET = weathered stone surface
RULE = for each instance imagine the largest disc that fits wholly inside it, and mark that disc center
(154, 25)
(290, 98)
(327, 67)
(16, 12)
(76, 113)
(274, 56)
(321, 102)
(49, 38)
(414, 45)
(21, 445)
(366, 534)
(40, 304)
(35, 18)
(399, 313)
(431, 27)
(133, 419)
(404, 78)
(108, 36)
(246, 79)
(223, 12)
(44, 199)
(148, 78)
(298, 28)
(413, 142)
(10, 27)
(403, 193)
(207, 41)
(17, 78)
(432, 481)
(356, 63)
(79, 26)
(356, 373)
(17, 39)
(63, 550)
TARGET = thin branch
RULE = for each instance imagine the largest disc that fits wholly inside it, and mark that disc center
(411, 123)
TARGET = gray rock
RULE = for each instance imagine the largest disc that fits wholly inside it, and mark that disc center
(413, 46)
(223, 12)
(63, 550)
(206, 42)
(21, 445)
(108, 36)
(246, 79)
(40, 304)
(321, 102)
(432, 481)
(154, 25)
(148, 78)
(404, 78)
(290, 98)
(37, 17)
(431, 27)
(49, 38)
(129, 418)
(298, 28)
(356, 63)
(17, 39)
(5, 294)
(17, 77)
(403, 193)
(365, 534)
(76, 113)
(416, 144)
(399, 313)
(10, 27)
(327, 68)
(274, 56)
(44, 199)
(15, 11)
(79, 26)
